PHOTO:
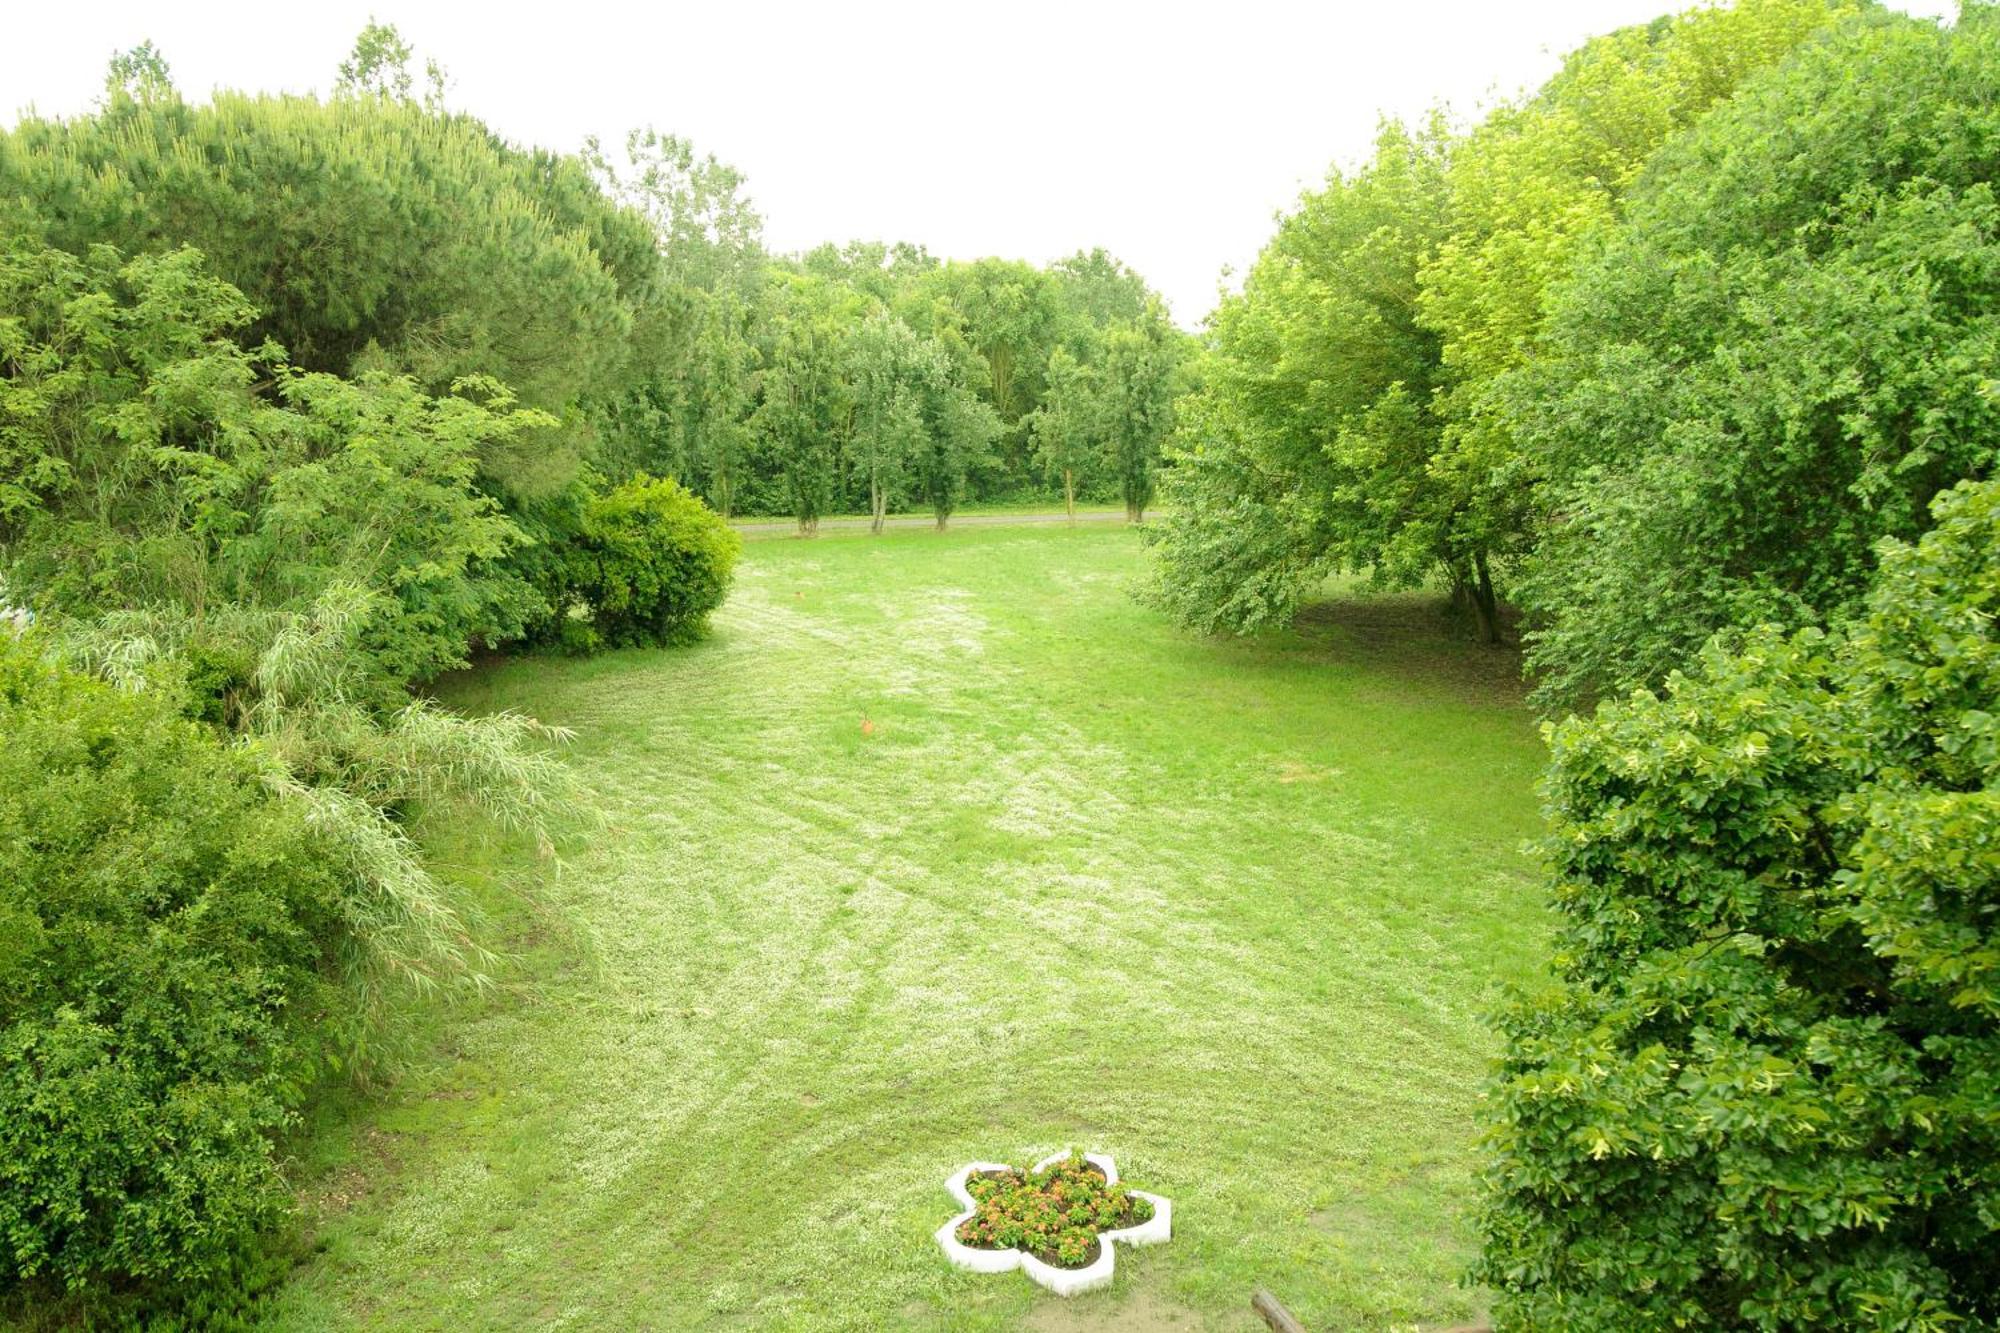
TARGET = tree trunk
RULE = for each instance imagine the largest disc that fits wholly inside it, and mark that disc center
(877, 506)
(1484, 601)
(1069, 493)
(808, 527)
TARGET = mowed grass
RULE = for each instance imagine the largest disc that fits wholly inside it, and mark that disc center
(1231, 911)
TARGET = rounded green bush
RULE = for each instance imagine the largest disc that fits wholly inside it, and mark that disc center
(1763, 1088)
(165, 946)
(648, 565)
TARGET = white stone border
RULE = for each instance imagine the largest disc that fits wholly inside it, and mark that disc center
(1062, 1281)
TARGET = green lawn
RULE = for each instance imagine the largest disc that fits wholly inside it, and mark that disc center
(1230, 911)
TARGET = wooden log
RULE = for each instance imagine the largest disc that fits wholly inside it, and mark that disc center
(1274, 1314)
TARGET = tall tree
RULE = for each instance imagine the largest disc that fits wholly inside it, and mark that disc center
(710, 234)
(717, 426)
(1065, 426)
(1775, 361)
(890, 371)
(1531, 189)
(1009, 313)
(1354, 416)
(1097, 290)
(1136, 405)
(140, 75)
(1313, 421)
(960, 428)
(807, 408)
(369, 234)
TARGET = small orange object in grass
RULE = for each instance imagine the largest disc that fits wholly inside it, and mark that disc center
(867, 727)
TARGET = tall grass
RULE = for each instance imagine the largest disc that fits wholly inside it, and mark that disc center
(313, 716)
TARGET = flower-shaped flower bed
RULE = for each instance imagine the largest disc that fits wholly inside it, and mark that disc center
(1058, 1220)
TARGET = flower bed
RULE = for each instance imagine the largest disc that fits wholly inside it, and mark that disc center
(1058, 1220)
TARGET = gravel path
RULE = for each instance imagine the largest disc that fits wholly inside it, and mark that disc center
(771, 526)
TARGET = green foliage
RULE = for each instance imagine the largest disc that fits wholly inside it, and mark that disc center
(959, 432)
(1008, 312)
(1054, 1214)
(890, 371)
(1300, 454)
(709, 236)
(1355, 414)
(139, 75)
(356, 757)
(166, 939)
(1763, 1090)
(1135, 405)
(1776, 361)
(1097, 290)
(807, 405)
(649, 565)
(379, 66)
(1064, 427)
(278, 550)
(147, 459)
(1531, 190)
(368, 232)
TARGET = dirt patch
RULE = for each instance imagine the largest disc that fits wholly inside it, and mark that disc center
(340, 1188)
(1293, 770)
(1135, 1312)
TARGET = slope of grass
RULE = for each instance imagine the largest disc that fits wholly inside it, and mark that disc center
(1230, 911)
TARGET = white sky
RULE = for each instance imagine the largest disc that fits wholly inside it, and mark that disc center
(1168, 134)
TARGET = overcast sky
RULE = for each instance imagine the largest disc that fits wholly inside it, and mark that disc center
(1168, 135)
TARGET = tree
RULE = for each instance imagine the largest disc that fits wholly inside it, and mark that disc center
(1097, 290)
(1776, 360)
(1135, 405)
(1064, 426)
(1760, 1089)
(379, 66)
(140, 75)
(710, 235)
(1530, 191)
(1009, 314)
(807, 410)
(141, 466)
(1307, 444)
(960, 428)
(1356, 415)
(716, 420)
(367, 233)
(889, 373)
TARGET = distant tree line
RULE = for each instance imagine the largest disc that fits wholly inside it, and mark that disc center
(868, 377)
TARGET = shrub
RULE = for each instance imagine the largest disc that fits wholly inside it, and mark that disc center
(165, 930)
(650, 563)
(1764, 1090)
(141, 465)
